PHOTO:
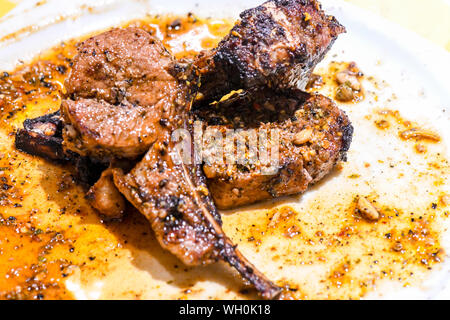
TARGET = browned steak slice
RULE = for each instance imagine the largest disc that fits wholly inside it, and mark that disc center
(102, 130)
(121, 94)
(120, 64)
(275, 45)
(175, 199)
(313, 135)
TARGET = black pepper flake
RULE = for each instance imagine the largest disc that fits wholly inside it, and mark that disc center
(6, 186)
(163, 183)
(61, 69)
(434, 206)
(175, 25)
(164, 122)
(46, 84)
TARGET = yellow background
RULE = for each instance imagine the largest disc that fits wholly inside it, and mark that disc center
(429, 18)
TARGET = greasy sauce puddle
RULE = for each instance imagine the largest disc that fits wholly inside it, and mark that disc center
(52, 245)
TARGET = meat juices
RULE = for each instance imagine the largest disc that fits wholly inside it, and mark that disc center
(275, 45)
(314, 135)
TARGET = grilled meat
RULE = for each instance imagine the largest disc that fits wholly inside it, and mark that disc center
(120, 91)
(174, 198)
(42, 137)
(306, 155)
(313, 135)
(105, 131)
(126, 95)
(109, 124)
(275, 45)
(106, 198)
(121, 64)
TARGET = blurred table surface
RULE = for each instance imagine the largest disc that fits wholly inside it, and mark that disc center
(428, 18)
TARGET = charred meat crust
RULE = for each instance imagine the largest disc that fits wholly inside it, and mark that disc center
(122, 85)
(174, 198)
(42, 137)
(314, 134)
(275, 45)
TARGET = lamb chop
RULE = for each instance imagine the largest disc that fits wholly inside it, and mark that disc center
(115, 83)
(120, 91)
(175, 199)
(313, 134)
(151, 101)
(275, 45)
(177, 203)
(111, 91)
(305, 157)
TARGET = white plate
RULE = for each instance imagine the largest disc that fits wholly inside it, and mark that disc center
(416, 70)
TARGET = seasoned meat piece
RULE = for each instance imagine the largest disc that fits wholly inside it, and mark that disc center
(121, 64)
(121, 92)
(237, 185)
(102, 130)
(42, 136)
(174, 198)
(177, 203)
(313, 135)
(141, 115)
(106, 198)
(275, 45)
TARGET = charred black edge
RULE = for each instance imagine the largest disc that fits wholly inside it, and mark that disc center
(347, 137)
(50, 147)
(34, 142)
(227, 251)
(233, 72)
(234, 257)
